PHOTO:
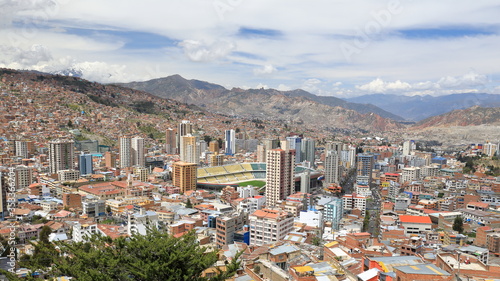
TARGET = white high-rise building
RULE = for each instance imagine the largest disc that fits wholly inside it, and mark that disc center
(24, 176)
(138, 158)
(189, 150)
(185, 128)
(354, 201)
(126, 159)
(332, 161)
(279, 175)
(21, 148)
(61, 156)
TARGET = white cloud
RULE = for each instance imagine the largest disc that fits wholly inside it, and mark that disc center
(201, 52)
(380, 86)
(266, 69)
(283, 87)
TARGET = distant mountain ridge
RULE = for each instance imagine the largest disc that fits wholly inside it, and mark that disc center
(180, 89)
(418, 108)
(472, 116)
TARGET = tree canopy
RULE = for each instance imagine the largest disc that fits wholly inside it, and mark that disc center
(458, 224)
(154, 256)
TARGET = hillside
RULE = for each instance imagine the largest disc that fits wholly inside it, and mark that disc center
(208, 95)
(473, 116)
(417, 108)
(42, 107)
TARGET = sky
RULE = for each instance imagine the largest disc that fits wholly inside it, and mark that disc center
(333, 48)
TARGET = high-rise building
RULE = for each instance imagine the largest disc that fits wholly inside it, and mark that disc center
(170, 141)
(85, 164)
(269, 226)
(408, 147)
(184, 176)
(213, 146)
(4, 187)
(295, 143)
(230, 142)
(308, 151)
(271, 144)
(364, 168)
(126, 152)
(333, 212)
(185, 128)
(21, 149)
(189, 151)
(137, 152)
(24, 176)
(109, 159)
(279, 175)
(332, 161)
(132, 152)
(261, 153)
(61, 156)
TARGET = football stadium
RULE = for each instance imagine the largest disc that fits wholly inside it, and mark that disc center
(218, 177)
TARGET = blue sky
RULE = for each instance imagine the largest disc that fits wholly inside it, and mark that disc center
(340, 48)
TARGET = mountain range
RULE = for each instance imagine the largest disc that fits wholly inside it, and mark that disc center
(211, 96)
(417, 108)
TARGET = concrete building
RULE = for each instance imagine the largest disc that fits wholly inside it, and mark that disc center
(23, 176)
(184, 128)
(93, 207)
(226, 227)
(410, 174)
(61, 155)
(138, 158)
(415, 224)
(295, 143)
(280, 165)
(269, 226)
(354, 201)
(230, 142)
(364, 168)
(170, 141)
(332, 161)
(68, 175)
(308, 151)
(184, 176)
(141, 173)
(189, 151)
(85, 165)
(333, 212)
(21, 149)
(126, 159)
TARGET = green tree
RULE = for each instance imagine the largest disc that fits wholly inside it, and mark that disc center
(189, 204)
(316, 241)
(154, 256)
(366, 221)
(44, 234)
(458, 224)
(108, 209)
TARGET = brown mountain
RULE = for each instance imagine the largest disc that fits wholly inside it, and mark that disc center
(472, 116)
(296, 107)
